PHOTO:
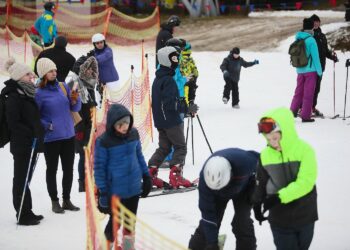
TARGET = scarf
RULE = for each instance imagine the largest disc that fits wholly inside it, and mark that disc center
(27, 88)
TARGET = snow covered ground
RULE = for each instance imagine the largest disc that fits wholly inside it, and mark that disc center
(267, 85)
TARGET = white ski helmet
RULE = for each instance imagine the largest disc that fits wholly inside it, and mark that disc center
(217, 172)
(98, 37)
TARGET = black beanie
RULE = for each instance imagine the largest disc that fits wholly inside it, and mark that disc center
(60, 42)
(308, 24)
(315, 18)
(235, 50)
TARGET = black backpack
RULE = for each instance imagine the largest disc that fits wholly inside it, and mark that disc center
(297, 52)
(4, 130)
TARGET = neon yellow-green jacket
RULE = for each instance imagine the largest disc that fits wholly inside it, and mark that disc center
(290, 173)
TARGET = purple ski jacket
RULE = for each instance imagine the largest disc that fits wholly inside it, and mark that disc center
(106, 68)
(55, 108)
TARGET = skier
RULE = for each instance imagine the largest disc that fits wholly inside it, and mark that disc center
(168, 121)
(231, 69)
(56, 101)
(323, 53)
(166, 32)
(23, 120)
(228, 174)
(286, 182)
(120, 166)
(108, 75)
(46, 25)
(87, 80)
(63, 60)
(307, 75)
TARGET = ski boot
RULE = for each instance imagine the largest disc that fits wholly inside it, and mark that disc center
(157, 182)
(176, 179)
(317, 113)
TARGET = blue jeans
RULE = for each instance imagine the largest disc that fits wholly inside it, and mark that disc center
(293, 238)
(81, 166)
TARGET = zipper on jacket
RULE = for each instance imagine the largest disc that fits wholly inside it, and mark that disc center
(163, 111)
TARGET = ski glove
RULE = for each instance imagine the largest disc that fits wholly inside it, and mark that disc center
(226, 74)
(270, 202)
(193, 108)
(256, 61)
(90, 53)
(146, 185)
(212, 247)
(103, 204)
(259, 216)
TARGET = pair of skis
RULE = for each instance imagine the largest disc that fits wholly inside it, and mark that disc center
(161, 191)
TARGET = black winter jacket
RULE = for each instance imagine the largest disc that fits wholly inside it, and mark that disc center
(163, 36)
(23, 119)
(64, 61)
(322, 45)
(165, 99)
(233, 66)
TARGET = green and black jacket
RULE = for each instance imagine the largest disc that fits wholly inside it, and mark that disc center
(290, 173)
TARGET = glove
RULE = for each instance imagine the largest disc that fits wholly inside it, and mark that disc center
(74, 96)
(103, 204)
(90, 53)
(212, 247)
(259, 216)
(270, 202)
(226, 74)
(146, 185)
(193, 108)
(256, 61)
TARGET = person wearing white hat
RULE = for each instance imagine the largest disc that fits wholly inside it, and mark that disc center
(228, 175)
(56, 101)
(23, 121)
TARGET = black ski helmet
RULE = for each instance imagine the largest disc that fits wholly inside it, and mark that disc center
(174, 21)
(178, 43)
(49, 5)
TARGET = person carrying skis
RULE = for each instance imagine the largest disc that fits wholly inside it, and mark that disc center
(46, 25)
(231, 69)
(323, 53)
(227, 175)
(168, 121)
(23, 120)
(166, 32)
(120, 166)
(286, 182)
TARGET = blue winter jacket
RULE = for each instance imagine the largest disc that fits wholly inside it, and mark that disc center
(55, 108)
(179, 79)
(106, 68)
(119, 162)
(314, 64)
(165, 99)
(46, 26)
(244, 164)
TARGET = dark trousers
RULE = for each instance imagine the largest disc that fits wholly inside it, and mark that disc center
(171, 137)
(21, 165)
(63, 149)
(317, 90)
(298, 238)
(81, 166)
(242, 225)
(231, 86)
(131, 204)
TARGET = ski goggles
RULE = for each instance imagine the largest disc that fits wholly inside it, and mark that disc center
(267, 125)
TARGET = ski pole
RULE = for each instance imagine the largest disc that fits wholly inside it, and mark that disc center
(188, 128)
(26, 181)
(346, 88)
(192, 140)
(205, 136)
(33, 166)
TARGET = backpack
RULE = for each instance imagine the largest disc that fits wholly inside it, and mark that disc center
(78, 63)
(297, 52)
(4, 130)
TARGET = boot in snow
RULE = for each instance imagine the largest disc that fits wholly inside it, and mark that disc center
(28, 219)
(176, 179)
(68, 205)
(56, 207)
(157, 182)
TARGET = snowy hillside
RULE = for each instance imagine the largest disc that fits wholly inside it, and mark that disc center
(267, 85)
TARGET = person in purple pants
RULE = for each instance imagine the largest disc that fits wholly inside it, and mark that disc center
(307, 75)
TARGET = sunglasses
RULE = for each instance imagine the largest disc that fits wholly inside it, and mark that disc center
(266, 126)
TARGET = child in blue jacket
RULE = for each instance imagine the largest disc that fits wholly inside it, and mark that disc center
(120, 165)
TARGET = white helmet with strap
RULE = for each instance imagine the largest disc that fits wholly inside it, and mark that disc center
(217, 172)
(98, 37)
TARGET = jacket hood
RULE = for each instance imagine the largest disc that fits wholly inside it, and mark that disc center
(285, 120)
(302, 35)
(91, 62)
(115, 113)
(10, 86)
(163, 71)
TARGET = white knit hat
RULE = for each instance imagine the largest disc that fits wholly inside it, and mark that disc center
(44, 65)
(16, 70)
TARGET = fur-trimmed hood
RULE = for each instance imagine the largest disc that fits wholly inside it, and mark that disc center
(91, 62)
